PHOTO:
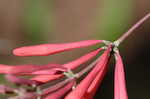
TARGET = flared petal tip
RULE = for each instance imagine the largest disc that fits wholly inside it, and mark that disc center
(31, 51)
(18, 52)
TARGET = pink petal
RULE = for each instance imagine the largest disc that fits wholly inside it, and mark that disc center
(47, 49)
(25, 69)
(61, 92)
(120, 84)
(81, 89)
(46, 78)
(74, 64)
(45, 72)
(97, 81)
(48, 71)
(55, 87)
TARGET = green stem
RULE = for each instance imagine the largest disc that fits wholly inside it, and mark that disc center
(130, 31)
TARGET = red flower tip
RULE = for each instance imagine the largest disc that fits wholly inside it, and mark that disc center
(48, 49)
(22, 69)
(120, 91)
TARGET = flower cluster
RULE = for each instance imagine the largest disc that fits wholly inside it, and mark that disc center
(62, 81)
(63, 76)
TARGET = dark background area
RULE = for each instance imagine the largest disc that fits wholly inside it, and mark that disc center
(28, 22)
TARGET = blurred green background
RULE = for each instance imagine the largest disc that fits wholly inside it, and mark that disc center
(28, 22)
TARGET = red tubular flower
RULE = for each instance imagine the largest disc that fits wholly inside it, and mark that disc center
(47, 49)
(48, 72)
(42, 71)
(46, 78)
(22, 69)
(67, 87)
(71, 65)
(120, 85)
(96, 82)
(81, 89)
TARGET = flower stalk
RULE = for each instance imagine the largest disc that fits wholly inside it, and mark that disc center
(130, 31)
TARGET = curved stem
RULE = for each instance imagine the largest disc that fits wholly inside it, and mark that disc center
(126, 34)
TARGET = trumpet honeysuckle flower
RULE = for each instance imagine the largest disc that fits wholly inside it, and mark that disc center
(48, 49)
(60, 81)
(43, 74)
(67, 88)
(21, 69)
(120, 88)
